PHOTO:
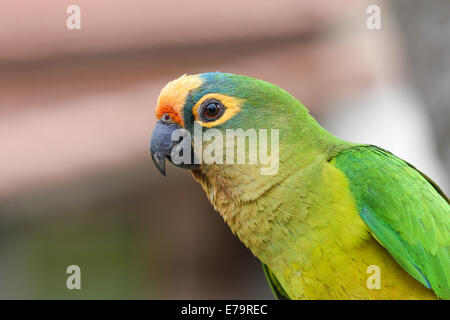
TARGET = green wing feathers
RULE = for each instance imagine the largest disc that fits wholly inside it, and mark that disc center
(406, 212)
(274, 284)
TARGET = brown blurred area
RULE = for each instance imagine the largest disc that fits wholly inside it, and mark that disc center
(77, 185)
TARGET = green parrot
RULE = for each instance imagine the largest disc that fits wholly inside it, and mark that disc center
(333, 219)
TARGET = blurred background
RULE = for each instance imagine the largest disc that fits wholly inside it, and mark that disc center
(77, 185)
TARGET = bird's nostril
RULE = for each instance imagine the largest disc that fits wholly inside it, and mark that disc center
(166, 117)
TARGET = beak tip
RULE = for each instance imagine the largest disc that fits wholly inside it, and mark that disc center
(160, 162)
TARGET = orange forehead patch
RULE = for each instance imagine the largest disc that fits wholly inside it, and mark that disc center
(173, 96)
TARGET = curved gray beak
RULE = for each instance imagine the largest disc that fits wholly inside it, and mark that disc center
(162, 146)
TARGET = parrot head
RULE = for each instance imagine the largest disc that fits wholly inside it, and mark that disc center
(223, 101)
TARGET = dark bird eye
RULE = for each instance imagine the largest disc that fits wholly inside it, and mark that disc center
(211, 110)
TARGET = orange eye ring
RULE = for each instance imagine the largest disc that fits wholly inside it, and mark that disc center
(229, 106)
